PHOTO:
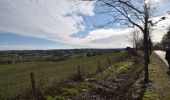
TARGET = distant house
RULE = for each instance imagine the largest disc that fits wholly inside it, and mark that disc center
(130, 50)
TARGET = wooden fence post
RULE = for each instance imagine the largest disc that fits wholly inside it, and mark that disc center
(109, 61)
(80, 75)
(99, 67)
(117, 59)
(33, 84)
(78, 68)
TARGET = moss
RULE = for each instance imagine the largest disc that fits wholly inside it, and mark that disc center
(106, 73)
(93, 79)
(59, 98)
(72, 91)
(84, 85)
(150, 96)
(55, 98)
(118, 68)
(125, 66)
(77, 89)
(49, 98)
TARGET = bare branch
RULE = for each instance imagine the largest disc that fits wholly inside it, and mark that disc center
(130, 5)
(124, 14)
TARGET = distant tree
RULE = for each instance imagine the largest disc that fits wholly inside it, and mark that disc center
(140, 44)
(134, 38)
(157, 46)
(166, 39)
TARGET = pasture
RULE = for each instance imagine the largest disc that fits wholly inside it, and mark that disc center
(15, 78)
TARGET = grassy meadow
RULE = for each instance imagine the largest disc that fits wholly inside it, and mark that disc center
(15, 78)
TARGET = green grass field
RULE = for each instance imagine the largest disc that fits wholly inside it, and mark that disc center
(15, 78)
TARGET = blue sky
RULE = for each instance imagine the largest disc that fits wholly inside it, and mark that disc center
(64, 24)
(13, 41)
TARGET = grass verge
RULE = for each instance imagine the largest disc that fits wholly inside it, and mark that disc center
(159, 86)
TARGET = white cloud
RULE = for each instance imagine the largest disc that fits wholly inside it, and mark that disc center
(48, 19)
(161, 28)
(105, 33)
(115, 41)
(106, 38)
(85, 7)
(51, 19)
(57, 20)
(152, 1)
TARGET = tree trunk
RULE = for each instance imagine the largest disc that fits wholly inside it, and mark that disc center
(146, 56)
(146, 45)
(150, 46)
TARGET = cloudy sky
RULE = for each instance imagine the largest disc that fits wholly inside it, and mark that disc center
(64, 24)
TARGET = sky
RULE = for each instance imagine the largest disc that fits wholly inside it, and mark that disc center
(66, 24)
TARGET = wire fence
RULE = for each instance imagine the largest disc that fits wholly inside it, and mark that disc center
(16, 85)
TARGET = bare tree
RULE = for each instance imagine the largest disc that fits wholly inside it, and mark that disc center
(132, 13)
(140, 44)
(134, 38)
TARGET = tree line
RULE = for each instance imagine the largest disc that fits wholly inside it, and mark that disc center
(165, 41)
